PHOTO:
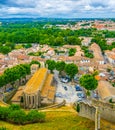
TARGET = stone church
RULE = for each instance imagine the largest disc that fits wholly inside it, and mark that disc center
(39, 89)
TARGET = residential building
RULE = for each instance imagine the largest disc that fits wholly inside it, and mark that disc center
(86, 41)
(106, 90)
(97, 53)
(110, 55)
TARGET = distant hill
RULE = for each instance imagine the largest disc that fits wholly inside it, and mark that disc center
(49, 19)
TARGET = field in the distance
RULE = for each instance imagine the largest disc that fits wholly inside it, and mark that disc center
(60, 119)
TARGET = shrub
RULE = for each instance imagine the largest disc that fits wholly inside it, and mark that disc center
(3, 128)
(4, 113)
(78, 108)
(17, 116)
(35, 116)
(113, 84)
(88, 93)
(14, 107)
(110, 100)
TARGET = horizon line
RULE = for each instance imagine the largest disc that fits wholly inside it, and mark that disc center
(56, 18)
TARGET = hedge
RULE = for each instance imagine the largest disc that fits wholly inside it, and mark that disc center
(14, 114)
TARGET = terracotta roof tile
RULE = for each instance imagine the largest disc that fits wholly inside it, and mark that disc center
(105, 89)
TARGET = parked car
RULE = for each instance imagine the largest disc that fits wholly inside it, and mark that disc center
(111, 78)
(58, 94)
(95, 95)
(9, 89)
(81, 95)
(78, 88)
(79, 100)
(65, 79)
(65, 88)
(76, 79)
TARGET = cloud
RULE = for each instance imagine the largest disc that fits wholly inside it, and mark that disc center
(98, 3)
(57, 8)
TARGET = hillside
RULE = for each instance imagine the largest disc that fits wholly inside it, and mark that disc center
(64, 118)
(2, 104)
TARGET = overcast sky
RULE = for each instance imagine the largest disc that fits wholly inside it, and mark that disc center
(58, 8)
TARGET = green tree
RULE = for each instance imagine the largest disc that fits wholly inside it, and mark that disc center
(87, 52)
(27, 45)
(35, 62)
(21, 70)
(9, 44)
(51, 64)
(60, 65)
(71, 70)
(12, 74)
(5, 49)
(88, 82)
(2, 80)
(73, 40)
(16, 72)
(100, 41)
(72, 51)
(58, 41)
(27, 68)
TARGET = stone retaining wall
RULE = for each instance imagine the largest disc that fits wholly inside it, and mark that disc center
(107, 110)
(54, 105)
(87, 111)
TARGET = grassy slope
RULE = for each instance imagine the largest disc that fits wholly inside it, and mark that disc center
(2, 104)
(60, 119)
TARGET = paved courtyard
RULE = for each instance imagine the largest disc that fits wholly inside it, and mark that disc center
(65, 91)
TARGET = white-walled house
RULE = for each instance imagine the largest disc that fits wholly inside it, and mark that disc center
(110, 55)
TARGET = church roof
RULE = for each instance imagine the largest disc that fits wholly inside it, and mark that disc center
(36, 82)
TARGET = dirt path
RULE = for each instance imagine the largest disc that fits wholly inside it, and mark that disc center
(64, 109)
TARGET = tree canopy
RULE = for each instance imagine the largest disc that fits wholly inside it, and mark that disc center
(72, 51)
(88, 82)
(71, 70)
(87, 52)
(12, 74)
(5, 49)
(35, 62)
(51, 64)
(60, 65)
(12, 34)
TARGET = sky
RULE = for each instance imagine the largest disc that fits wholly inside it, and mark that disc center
(57, 8)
